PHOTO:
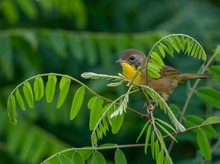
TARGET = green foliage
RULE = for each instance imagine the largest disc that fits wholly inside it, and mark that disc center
(106, 113)
(168, 45)
(204, 144)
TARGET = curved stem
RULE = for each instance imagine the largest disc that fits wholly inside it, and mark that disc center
(78, 82)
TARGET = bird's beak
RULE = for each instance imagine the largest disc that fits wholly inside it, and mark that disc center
(120, 60)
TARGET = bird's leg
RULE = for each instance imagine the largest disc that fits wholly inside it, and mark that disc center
(149, 107)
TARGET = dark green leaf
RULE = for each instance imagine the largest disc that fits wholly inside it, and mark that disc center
(105, 50)
(90, 49)
(64, 89)
(209, 96)
(203, 143)
(65, 160)
(28, 94)
(77, 102)
(75, 45)
(175, 109)
(29, 8)
(215, 71)
(59, 43)
(38, 88)
(120, 157)
(19, 99)
(98, 158)
(6, 56)
(78, 158)
(50, 88)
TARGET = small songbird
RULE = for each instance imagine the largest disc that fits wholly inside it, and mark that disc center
(169, 79)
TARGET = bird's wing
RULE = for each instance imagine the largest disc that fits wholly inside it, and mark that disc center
(168, 71)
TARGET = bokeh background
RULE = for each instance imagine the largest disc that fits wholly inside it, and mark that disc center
(75, 36)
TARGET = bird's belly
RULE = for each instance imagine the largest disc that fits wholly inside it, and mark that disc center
(163, 86)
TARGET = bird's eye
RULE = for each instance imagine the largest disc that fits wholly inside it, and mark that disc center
(132, 58)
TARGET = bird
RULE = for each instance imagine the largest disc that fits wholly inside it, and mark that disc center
(170, 78)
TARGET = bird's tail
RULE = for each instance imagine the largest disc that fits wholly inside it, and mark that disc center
(186, 76)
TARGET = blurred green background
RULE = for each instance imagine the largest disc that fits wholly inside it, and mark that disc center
(76, 36)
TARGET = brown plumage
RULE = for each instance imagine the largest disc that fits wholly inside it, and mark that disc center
(170, 77)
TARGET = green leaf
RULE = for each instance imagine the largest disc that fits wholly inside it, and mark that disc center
(153, 71)
(77, 158)
(166, 131)
(203, 143)
(50, 88)
(147, 139)
(117, 123)
(98, 158)
(166, 124)
(209, 96)
(38, 88)
(142, 131)
(64, 89)
(174, 109)
(160, 157)
(77, 102)
(90, 49)
(86, 153)
(91, 101)
(6, 56)
(29, 8)
(10, 11)
(59, 43)
(156, 149)
(156, 60)
(215, 71)
(173, 44)
(105, 50)
(19, 99)
(120, 157)
(28, 94)
(191, 121)
(152, 142)
(161, 49)
(76, 48)
(11, 108)
(65, 160)
(96, 112)
(26, 149)
(212, 120)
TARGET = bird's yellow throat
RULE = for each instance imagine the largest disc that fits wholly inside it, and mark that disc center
(129, 71)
